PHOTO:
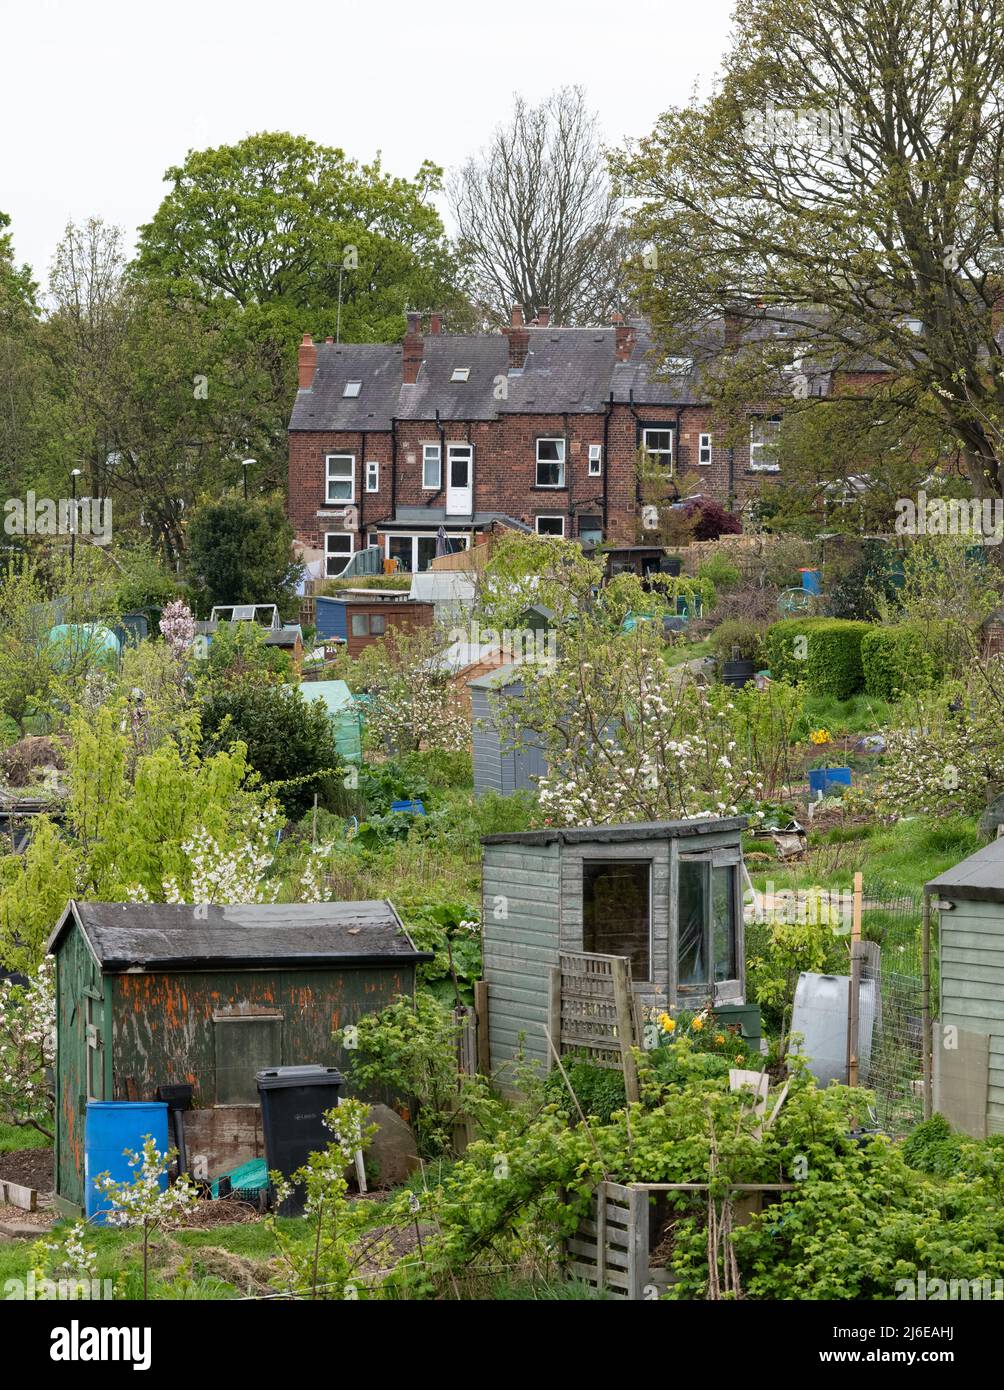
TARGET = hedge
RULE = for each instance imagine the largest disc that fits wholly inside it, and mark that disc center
(906, 656)
(822, 653)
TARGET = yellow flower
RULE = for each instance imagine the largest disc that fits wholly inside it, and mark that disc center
(720, 1039)
(820, 736)
(697, 1024)
(667, 1024)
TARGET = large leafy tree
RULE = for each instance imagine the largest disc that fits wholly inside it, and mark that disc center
(24, 382)
(240, 552)
(870, 225)
(277, 235)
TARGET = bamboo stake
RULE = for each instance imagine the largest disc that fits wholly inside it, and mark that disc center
(854, 996)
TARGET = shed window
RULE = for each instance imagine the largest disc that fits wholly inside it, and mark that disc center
(245, 1044)
(706, 952)
(369, 624)
(617, 911)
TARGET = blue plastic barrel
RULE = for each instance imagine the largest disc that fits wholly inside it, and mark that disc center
(414, 808)
(812, 581)
(112, 1127)
(822, 778)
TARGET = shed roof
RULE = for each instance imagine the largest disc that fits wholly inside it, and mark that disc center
(494, 680)
(612, 834)
(980, 878)
(168, 936)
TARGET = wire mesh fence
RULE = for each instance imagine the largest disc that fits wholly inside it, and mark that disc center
(891, 928)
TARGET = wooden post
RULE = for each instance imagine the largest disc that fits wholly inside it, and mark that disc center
(481, 1010)
(554, 1013)
(854, 994)
(925, 1030)
(625, 1030)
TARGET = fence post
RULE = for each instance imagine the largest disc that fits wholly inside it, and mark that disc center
(481, 1014)
(554, 1013)
(854, 994)
(625, 1027)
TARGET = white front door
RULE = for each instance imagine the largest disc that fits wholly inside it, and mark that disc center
(459, 479)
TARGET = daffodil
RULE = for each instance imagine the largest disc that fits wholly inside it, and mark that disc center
(720, 1039)
(697, 1024)
(667, 1024)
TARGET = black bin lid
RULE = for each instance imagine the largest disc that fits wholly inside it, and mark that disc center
(273, 1078)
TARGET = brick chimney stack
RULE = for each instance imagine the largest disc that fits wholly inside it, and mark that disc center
(544, 317)
(733, 329)
(624, 336)
(414, 348)
(435, 324)
(307, 362)
(519, 338)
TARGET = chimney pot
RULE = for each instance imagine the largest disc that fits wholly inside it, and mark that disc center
(307, 362)
(624, 336)
(544, 317)
(517, 316)
(436, 324)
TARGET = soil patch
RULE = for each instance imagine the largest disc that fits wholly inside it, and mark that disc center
(29, 1167)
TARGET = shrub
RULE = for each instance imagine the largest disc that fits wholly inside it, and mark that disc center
(909, 656)
(823, 653)
(711, 520)
(721, 571)
(736, 641)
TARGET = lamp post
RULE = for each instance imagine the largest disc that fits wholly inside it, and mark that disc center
(246, 464)
(74, 475)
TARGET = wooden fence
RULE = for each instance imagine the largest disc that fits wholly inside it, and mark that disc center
(592, 1012)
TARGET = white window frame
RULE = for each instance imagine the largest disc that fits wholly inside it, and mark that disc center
(551, 439)
(328, 480)
(372, 475)
(759, 446)
(328, 552)
(460, 374)
(348, 393)
(704, 445)
(666, 457)
(595, 460)
(548, 517)
(430, 453)
(415, 537)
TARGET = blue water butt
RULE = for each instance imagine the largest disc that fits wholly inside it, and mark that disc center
(822, 778)
(112, 1127)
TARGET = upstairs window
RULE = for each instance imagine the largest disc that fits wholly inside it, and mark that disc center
(595, 460)
(372, 476)
(765, 432)
(341, 478)
(550, 463)
(704, 448)
(659, 444)
(432, 467)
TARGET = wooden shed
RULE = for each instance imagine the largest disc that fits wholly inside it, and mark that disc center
(148, 994)
(666, 895)
(499, 764)
(968, 1050)
(362, 616)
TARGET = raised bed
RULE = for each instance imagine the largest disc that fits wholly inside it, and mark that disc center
(612, 1247)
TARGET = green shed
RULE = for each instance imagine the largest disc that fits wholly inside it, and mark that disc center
(344, 712)
(151, 993)
(968, 1042)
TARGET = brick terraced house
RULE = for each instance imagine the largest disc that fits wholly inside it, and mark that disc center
(537, 426)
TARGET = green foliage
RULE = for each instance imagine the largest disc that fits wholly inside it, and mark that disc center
(34, 889)
(737, 641)
(289, 740)
(934, 1148)
(238, 651)
(907, 657)
(452, 931)
(239, 552)
(780, 946)
(722, 573)
(409, 1048)
(824, 653)
(862, 589)
(598, 1090)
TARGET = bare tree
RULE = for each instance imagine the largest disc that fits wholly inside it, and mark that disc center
(537, 218)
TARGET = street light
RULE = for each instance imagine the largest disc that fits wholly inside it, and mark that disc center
(74, 475)
(246, 464)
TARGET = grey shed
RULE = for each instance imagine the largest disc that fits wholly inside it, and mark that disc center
(969, 1036)
(499, 764)
(665, 894)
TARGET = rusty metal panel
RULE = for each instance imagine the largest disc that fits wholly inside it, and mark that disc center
(163, 1029)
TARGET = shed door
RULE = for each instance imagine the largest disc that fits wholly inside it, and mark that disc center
(709, 968)
(245, 1044)
(80, 1058)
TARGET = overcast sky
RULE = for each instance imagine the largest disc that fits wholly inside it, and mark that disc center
(98, 99)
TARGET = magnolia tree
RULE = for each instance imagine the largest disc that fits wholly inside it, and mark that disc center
(177, 626)
(28, 1050)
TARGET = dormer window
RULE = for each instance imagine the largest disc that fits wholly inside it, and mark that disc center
(678, 366)
(460, 373)
(352, 388)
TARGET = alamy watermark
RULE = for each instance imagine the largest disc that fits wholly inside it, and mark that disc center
(973, 518)
(805, 126)
(90, 517)
(66, 1290)
(833, 907)
(532, 646)
(923, 1289)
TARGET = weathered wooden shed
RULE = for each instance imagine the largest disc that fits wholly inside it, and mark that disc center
(664, 894)
(968, 1047)
(148, 994)
(500, 764)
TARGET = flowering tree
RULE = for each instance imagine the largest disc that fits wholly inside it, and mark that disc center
(177, 626)
(27, 1049)
(413, 704)
(143, 1201)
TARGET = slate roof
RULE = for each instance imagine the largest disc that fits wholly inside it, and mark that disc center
(377, 365)
(162, 936)
(610, 834)
(980, 878)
